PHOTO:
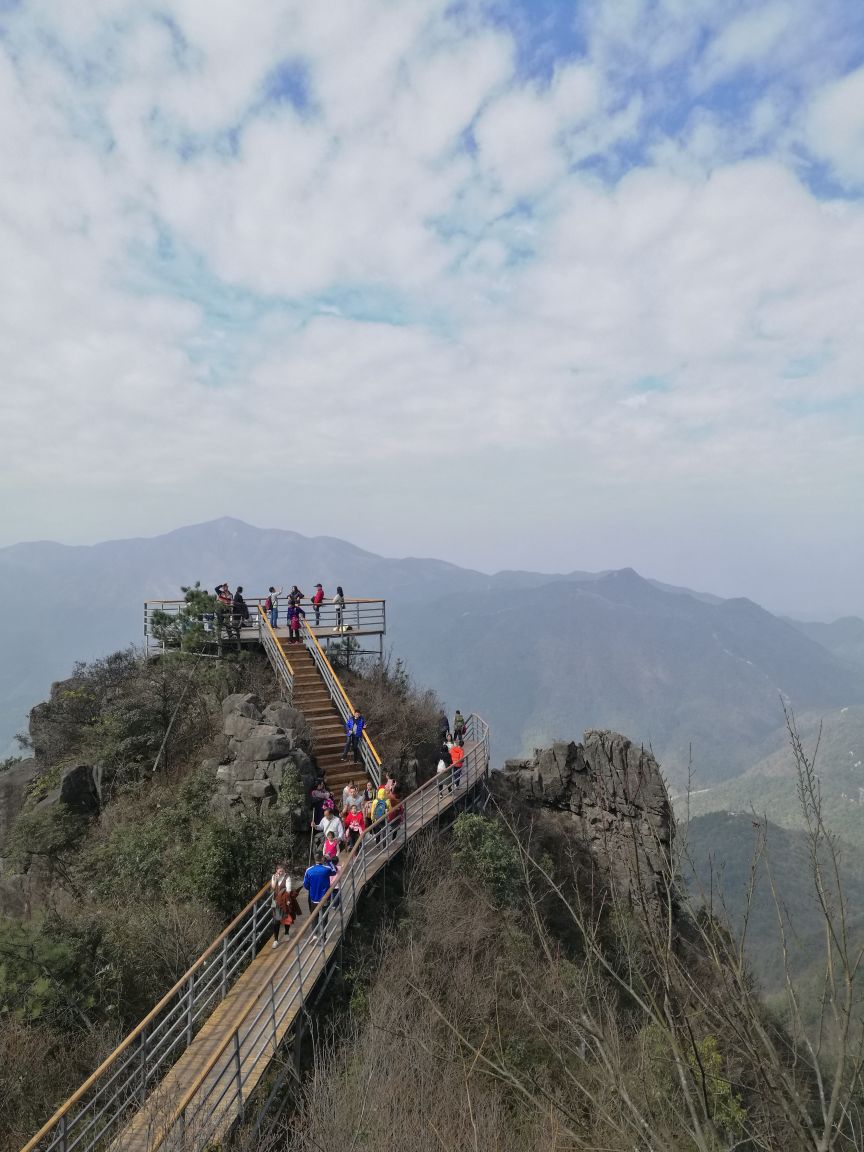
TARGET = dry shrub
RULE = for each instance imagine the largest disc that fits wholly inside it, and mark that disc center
(402, 719)
(39, 1068)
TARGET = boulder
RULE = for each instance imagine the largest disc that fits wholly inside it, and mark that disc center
(243, 704)
(266, 746)
(282, 715)
(78, 790)
(239, 727)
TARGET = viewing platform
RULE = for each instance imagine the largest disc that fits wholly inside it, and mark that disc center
(363, 621)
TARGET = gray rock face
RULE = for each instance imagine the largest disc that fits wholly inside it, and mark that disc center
(14, 783)
(267, 743)
(243, 704)
(613, 792)
(264, 759)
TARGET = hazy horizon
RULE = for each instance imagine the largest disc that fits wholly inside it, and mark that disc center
(396, 553)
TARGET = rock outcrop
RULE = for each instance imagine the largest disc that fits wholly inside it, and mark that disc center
(267, 755)
(613, 792)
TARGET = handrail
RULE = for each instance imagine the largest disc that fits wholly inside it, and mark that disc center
(258, 601)
(471, 772)
(316, 645)
(276, 653)
(139, 1028)
(264, 622)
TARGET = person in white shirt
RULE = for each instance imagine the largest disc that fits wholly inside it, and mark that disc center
(330, 822)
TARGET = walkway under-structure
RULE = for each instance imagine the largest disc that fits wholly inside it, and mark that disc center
(185, 1075)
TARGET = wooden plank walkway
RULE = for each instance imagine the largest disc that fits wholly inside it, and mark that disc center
(212, 1105)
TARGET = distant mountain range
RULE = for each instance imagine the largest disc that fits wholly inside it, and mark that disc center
(541, 656)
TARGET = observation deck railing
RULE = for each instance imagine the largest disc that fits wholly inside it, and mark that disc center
(106, 1107)
(359, 617)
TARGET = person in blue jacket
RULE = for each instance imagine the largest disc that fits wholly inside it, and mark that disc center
(316, 881)
(354, 726)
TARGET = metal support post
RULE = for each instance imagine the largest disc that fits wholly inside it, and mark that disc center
(224, 984)
(273, 1014)
(190, 1007)
(238, 1072)
(142, 1063)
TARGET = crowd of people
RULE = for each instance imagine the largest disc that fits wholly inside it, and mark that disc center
(232, 611)
(339, 822)
(294, 612)
(335, 831)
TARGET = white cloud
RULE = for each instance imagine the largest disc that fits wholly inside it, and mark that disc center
(308, 295)
(834, 127)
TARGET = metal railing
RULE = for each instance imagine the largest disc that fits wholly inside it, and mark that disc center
(118, 1089)
(360, 617)
(221, 1088)
(368, 753)
(280, 662)
(120, 1085)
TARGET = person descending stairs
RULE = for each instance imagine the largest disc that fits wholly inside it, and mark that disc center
(312, 697)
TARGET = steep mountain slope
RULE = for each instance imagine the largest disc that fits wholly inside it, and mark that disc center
(537, 654)
(619, 653)
(721, 848)
(843, 637)
(769, 785)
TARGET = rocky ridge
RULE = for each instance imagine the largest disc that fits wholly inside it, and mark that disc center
(613, 795)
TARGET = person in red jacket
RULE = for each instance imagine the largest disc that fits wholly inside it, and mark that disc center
(457, 755)
(317, 601)
(355, 825)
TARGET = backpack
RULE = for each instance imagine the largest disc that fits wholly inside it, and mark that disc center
(268, 604)
(379, 808)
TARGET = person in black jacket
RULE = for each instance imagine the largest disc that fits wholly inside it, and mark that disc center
(239, 612)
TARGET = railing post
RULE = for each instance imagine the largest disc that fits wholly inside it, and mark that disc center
(64, 1134)
(300, 978)
(224, 967)
(253, 938)
(273, 1014)
(142, 1061)
(190, 1007)
(238, 1071)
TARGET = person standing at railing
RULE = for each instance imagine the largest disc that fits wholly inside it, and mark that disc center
(443, 727)
(283, 901)
(295, 616)
(339, 602)
(379, 812)
(271, 606)
(354, 726)
(295, 596)
(317, 601)
(239, 610)
(459, 728)
(396, 815)
(355, 825)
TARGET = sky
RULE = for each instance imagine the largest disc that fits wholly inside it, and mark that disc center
(524, 284)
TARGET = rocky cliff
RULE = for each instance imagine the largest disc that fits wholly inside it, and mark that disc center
(610, 793)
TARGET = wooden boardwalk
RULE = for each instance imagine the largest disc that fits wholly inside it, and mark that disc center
(204, 1093)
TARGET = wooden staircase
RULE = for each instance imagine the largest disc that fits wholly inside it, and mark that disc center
(328, 728)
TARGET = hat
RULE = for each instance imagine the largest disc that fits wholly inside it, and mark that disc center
(318, 585)
(382, 793)
(328, 805)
